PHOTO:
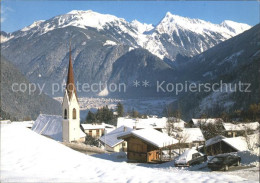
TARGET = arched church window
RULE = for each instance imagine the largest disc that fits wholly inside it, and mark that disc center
(65, 114)
(74, 112)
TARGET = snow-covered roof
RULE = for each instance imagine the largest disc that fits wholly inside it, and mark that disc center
(214, 140)
(152, 136)
(111, 139)
(142, 123)
(51, 126)
(238, 143)
(193, 134)
(241, 126)
(206, 120)
(92, 126)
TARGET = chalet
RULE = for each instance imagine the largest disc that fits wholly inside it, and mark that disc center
(193, 123)
(111, 142)
(240, 129)
(96, 130)
(51, 126)
(221, 144)
(146, 145)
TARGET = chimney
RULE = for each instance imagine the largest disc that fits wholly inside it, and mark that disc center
(124, 129)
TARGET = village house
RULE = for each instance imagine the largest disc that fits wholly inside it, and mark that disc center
(111, 142)
(96, 130)
(27, 124)
(146, 145)
(240, 129)
(193, 123)
(221, 144)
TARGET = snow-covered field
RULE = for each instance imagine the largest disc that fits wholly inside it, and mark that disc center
(29, 157)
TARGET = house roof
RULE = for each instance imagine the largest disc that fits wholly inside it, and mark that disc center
(111, 139)
(238, 143)
(142, 123)
(51, 126)
(214, 140)
(27, 124)
(206, 121)
(92, 126)
(152, 136)
(193, 134)
(241, 126)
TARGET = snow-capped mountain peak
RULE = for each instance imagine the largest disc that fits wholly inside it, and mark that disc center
(235, 27)
(171, 23)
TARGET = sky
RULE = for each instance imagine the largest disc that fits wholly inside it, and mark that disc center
(17, 14)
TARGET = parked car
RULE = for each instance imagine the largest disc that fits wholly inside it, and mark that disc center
(224, 161)
(190, 157)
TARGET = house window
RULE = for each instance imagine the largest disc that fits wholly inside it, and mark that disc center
(65, 114)
(90, 132)
(74, 112)
(97, 133)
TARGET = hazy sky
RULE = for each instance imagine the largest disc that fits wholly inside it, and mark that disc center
(18, 14)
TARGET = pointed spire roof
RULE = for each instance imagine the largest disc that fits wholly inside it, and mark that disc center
(70, 87)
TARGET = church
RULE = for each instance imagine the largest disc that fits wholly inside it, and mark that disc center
(64, 128)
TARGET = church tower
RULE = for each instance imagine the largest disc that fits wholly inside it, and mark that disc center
(70, 109)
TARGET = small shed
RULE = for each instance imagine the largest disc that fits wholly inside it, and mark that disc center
(221, 144)
(146, 145)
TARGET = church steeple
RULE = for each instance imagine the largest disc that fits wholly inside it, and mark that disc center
(70, 87)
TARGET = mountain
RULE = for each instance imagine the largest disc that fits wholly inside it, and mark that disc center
(22, 105)
(140, 65)
(40, 50)
(233, 61)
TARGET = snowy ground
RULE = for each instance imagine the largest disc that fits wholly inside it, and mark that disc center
(151, 106)
(29, 157)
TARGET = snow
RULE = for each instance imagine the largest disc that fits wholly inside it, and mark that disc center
(50, 126)
(150, 122)
(241, 126)
(152, 136)
(111, 138)
(109, 42)
(29, 157)
(238, 143)
(27, 124)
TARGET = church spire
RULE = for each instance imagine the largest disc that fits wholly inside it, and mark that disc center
(70, 87)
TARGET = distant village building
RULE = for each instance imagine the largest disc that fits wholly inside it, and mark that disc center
(203, 121)
(146, 145)
(139, 123)
(240, 129)
(111, 142)
(221, 144)
(97, 130)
